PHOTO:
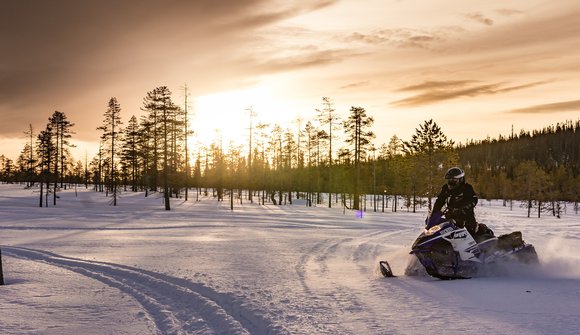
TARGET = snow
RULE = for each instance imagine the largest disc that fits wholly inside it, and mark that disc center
(85, 267)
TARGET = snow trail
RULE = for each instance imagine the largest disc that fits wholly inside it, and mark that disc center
(175, 306)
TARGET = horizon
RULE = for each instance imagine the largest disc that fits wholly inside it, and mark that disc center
(78, 152)
(476, 68)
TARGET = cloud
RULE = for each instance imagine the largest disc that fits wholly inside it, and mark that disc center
(437, 91)
(480, 18)
(557, 107)
(403, 37)
(546, 30)
(436, 85)
(55, 54)
(508, 11)
(277, 14)
(305, 59)
(358, 84)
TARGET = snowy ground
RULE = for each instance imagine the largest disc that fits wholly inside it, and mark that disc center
(85, 267)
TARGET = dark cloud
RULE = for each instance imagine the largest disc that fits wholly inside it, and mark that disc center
(437, 91)
(557, 107)
(55, 53)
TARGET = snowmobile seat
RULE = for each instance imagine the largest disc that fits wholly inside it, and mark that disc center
(510, 241)
(488, 243)
(484, 234)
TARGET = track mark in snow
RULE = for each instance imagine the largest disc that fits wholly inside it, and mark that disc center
(321, 267)
(319, 253)
(173, 305)
(318, 270)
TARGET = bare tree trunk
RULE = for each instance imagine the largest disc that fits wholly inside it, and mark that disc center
(1, 272)
(41, 191)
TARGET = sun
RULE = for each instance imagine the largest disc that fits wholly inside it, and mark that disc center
(225, 115)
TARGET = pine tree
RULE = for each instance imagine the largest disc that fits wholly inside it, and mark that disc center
(357, 135)
(311, 140)
(531, 182)
(61, 131)
(130, 151)
(428, 143)
(186, 133)
(327, 116)
(28, 154)
(163, 118)
(45, 153)
(251, 169)
(111, 138)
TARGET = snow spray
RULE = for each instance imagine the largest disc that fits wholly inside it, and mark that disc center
(560, 257)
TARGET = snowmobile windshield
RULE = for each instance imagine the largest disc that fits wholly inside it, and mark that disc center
(433, 220)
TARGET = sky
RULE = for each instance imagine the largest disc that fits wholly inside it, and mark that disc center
(477, 68)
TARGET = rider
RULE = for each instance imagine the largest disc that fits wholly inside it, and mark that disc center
(460, 199)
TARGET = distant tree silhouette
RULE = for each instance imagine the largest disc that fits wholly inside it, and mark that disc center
(541, 167)
(532, 182)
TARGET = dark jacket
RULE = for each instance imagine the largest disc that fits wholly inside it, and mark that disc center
(460, 202)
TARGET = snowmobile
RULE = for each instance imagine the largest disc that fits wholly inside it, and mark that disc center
(446, 251)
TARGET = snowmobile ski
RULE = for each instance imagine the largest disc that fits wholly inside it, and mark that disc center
(386, 270)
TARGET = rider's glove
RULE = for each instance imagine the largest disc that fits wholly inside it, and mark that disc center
(458, 212)
(453, 212)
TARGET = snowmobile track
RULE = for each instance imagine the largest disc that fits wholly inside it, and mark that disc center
(174, 305)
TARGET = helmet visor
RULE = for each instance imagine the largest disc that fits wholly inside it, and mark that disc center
(452, 182)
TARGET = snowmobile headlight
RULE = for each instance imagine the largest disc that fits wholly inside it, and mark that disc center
(433, 230)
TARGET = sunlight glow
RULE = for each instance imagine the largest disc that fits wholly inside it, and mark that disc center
(226, 114)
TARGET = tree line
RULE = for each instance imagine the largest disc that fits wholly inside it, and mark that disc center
(541, 168)
(329, 159)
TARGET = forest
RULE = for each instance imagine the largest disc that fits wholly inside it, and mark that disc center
(329, 161)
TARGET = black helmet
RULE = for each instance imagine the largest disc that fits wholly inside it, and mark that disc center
(454, 176)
